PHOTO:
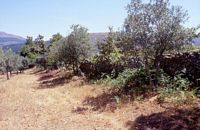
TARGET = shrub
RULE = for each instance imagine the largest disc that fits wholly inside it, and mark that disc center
(176, 83)
(175, 90)
(129, 82)
(120, 81)
(124, 77)
(137, 84)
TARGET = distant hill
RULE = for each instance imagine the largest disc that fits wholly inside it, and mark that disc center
(15, 42)
(197, 41)
(95, 37)
(11, 41)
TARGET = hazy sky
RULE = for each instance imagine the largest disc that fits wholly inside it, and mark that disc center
(47, 17)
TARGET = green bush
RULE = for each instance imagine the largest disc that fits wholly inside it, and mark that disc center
(124, 77)
(120, 81)
(130, 81)
(134, 82)
(176, 83)
(176, 97)
(175, 90)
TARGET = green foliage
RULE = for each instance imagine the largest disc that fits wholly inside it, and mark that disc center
(120, 81)
(130, 82)
(193, 48)
(155, 27)
(53, 49)
(55, 38)
(9, 61)
(125, 76)
(29, 50)
(71, 50)
(135, 82)
(176, 83)
(138, 85)
(33, 49)
(108, 49)
(140, 78)
(177, 97)
(129, 79)
(175, 90)
(108, 81)
(2, 61)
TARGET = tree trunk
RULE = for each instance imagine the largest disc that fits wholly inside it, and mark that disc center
(73, 67)
(157, 66)
(8, 77)
(147, 69)
(76, 67)
(44, 65)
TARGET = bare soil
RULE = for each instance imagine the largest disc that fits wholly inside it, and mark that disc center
(45, 101)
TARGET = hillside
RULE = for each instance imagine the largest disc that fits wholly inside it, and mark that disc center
(16, 42)
(95, 37)
(11, 41)
(197, 41)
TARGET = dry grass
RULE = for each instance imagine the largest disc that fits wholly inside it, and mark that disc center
(70, 104)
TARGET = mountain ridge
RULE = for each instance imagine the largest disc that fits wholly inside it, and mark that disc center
(10, 39)
(4, 34)
(16, 42)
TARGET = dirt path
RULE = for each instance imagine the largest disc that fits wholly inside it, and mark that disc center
(45, 102)
(24, 107)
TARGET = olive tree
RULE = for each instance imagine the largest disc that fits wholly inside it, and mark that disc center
(9, 61)
(75, 47)
(2, 61)
(29, 50)
(53, 48)
(156, 27)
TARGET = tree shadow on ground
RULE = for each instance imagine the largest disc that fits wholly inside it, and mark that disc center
(38, 72)
(51, 79)
(174, 119)
(103, 102)
(52, 83)
(45, 77)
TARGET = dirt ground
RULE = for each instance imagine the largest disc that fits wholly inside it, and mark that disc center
(40, 101)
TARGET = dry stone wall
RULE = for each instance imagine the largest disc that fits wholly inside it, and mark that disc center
(187, 63)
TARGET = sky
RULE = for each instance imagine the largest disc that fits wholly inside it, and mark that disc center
(47, 17)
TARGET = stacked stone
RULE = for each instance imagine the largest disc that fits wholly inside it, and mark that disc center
(187, 63)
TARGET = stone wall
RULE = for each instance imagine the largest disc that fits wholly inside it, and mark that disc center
(187, 63)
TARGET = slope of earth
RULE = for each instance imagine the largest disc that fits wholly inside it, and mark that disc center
(43, 101)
